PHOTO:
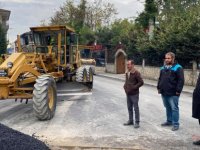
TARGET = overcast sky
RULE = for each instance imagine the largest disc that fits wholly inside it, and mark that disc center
(29, 13)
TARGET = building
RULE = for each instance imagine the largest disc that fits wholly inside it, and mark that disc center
(4, 18)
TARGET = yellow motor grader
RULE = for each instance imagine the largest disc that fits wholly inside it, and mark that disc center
(52, 59)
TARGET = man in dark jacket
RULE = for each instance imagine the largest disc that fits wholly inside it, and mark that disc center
(132, 84)
(170, 85)
(196, 105)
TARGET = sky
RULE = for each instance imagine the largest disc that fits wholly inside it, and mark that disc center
(29, 13)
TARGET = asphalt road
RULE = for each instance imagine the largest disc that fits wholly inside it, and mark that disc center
(96, 119)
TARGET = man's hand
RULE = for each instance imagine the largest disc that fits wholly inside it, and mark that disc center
(177, 93)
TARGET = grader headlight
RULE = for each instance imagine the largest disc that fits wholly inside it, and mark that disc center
(3, 73)
(9, 65)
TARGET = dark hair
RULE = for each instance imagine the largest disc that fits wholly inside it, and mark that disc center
(132, 61)
(171, 54)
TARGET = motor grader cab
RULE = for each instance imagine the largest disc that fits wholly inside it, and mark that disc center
(25, 42)
(53, 55)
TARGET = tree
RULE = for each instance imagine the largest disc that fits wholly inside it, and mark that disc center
(120, 31)
(148, 14)
(178, 31)
(81, 13)
(93, 14)
(104, 35)
(99, 13)
(86, 36)
(66, 15)
(3, 41)
(86, 17)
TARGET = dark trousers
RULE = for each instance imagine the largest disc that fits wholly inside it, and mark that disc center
(132, 102)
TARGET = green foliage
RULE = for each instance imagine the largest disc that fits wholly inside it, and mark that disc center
(87, 36)
(99, 14)
(70, 14)
(81, 14)
(178, 31)
(85, 17)
(3, 42)
(104, 35)
(149, 13)
(121, 30)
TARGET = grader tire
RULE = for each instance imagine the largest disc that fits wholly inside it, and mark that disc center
(81, 75)
(44, 97)
(89, 83)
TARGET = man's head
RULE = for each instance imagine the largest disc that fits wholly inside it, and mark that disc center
(130, 65)
(169, 58)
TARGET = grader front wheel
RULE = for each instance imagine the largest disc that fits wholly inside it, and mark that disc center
(89, 83)
(84, 75)
(44, 97)
(81, 75)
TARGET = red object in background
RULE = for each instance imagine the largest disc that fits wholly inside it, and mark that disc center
(97, 47)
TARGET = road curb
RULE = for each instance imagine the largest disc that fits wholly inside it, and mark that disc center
(116, 78)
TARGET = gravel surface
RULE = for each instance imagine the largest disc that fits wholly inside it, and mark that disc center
(13, 140)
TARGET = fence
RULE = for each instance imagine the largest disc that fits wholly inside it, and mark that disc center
(152, 73)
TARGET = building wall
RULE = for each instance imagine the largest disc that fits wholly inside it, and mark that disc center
(149, 72)
(110, 68)
(152, 73)
(99, 70)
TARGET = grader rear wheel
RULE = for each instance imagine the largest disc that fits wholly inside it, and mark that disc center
(44, 97)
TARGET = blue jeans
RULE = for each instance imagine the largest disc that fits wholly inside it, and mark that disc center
(172, 109)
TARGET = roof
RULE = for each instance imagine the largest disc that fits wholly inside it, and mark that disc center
(26, 33)
(5, 14)
(52, 28)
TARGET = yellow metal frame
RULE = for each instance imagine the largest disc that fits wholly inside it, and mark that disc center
(52, 28)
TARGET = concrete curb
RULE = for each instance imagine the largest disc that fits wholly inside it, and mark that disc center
(115, 78)
(152, 85)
